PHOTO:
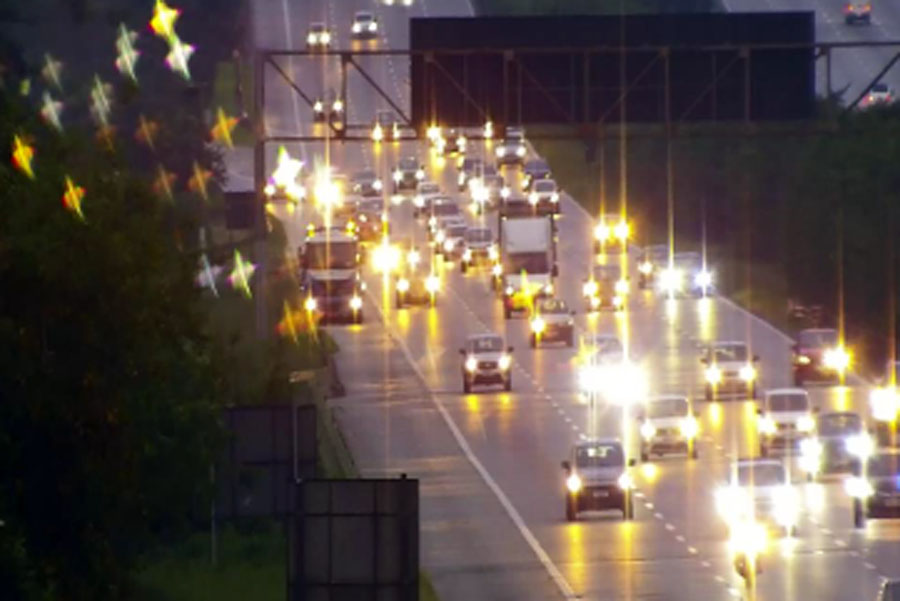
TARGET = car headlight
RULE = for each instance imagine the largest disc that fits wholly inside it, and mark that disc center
(533, 198)
(806, 424)
(573, 483)
(373, 26)
(325, 38)
(448, 245)
(548, 288)
(748, 373)
(501, 151)
(626, 482)
(420, 174)
(554, 197)
(520, 151)
(617, 300)
(504, 362)
(338, 106)
(509, 290)
(403, 285)
(538, 325)
(467, 255)
(837, 359)
(766, 425)
(713, 374)
(810, 455)
(785, 506)
(858, 487)
(601, 232)
(621, 287)
(397, 176)
(671, 280)
(310, 304)
(461, 143)
(471, 364)
(356, 303)
(703, 279)
(646, 267)
(497, 270)
(732, 503)
(419, 202)
(860, 445)
(440, 236)
(311, 39)
(432, 284)
(689, 427)
(492, 253)
(589, 288)
(377, 185)
(317, 106)
(803, 360)
(504, 192)
(413, 257)
(884, 403)
(356, 28)
(748, 537)
(648, 430)
(622, 231)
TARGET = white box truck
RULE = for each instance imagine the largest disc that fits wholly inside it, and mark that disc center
(527, 260)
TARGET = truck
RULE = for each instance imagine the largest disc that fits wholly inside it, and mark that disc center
(330, 281)
(527, 264)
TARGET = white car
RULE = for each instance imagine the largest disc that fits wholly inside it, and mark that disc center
(425, 191)
(478, 247)
(880, 93)
(450, 238)
(840, 443)
(486, 360)
(729, 369)
(318, 37)
(365, 26)
(442, 210)
(759, 489)
(785, 419)
(512, 150)
(544, 197)
(668, 425)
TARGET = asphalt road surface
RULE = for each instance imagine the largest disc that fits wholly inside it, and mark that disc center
(492, 488)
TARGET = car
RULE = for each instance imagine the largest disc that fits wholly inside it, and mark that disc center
(884, 407)
(371, 219)
(875, 488)
(603, 349)
(452, 144)
(729, 369)
(858, 13)
(598, 478)
(318, 36)
(416, 285)
(534, 170)
(407, 174)
(785, 419)
(486, 360)
(611, 234)
(346, 209)
(516, 205)
(552, 321)
(668, 425)
(819, 355)
(654, 259)
(496, 189)
(839, 443)
(544, 197)
(478, 248)
(450, 239)
(605, 288)
(333, 297)
(688, 276)
(386, 126)
(366, 183)
(468, 169)
(442, 210)
(329, 108)
(889, 590)
(511, 150)
(364, 26)
(879, 93)
(426, 192)
(759, 489)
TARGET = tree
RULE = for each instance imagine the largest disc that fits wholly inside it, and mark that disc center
(107, 389)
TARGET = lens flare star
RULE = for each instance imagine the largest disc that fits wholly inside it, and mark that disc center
(163, 182)
(73, 197)
(52, 71)
(178, 57)
(163, 21)
(241, 274)
(101, 105)
(126, 54)
(208, 274)
(51, 110)
(221, 131)
(198, 181)
(22, 156)
(146, 132)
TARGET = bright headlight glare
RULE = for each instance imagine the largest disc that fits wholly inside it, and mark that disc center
(509, 290)
(497, 270)
(533, 198)
(703, 279)
(440, 236)
(356, 303)
(748, 373)
(420, 174)
(806, 424)
(601, 232)
(622, 231)
(885, 403)
(810, 455)
(671, 279)
(837, 359)
(310, 304)
(311, 39)
(646, 267)
(803, 360)
(325, 38)
(689, 427)
(338, 105)
(621, 287)
(713, 374)
(356, 28)
(538, 325)
(377, 185)
(860, 445)
(748, 537)
(589, 288)
(648, 430)
(626, 482)
(397, 176)
(504, 192)
(520, 151)
(448, 245)
(467, 255)
(317, 106)
(732, 502)
(500, 151)
(858, 487)
(766, 425)
(548, 288)
(413, 257)
(403, 285)
(785, 506)
(573, 483)
(432, 284)
(492, 253)
(504, 362)
(471, 364)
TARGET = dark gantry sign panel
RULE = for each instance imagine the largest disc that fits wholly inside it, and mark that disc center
(355, 540)
(721, 67)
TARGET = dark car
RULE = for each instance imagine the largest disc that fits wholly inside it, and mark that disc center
(654, 259)
(416, 285)
(876, 488)
(468, 169)
(597, 479)
(454, 143)
(552, 322)
(516, 206)
(366, 183)
(511, 150)
(818, 355)
(333, 298)
(858, 13)
(328, 108)
(371, 219)
(534, 170)
(840, 443)
(386, 126)
(544, 196)
(408, 173)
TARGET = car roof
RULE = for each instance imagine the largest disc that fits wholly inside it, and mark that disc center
(481, 335)
(544, 182)
(478, 228)
(595, 441)
(818, 330)
(317, 25)
(839, 413)
(364, 14)
(722, 343)
(536, 163)
(757, 461)
(780, 391)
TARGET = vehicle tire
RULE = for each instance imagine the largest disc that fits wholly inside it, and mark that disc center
(695, 453)
(398, 303)
(763, 450)
(628, 508)
(467, 387)
(859, 518)
(507, 313)
(358, 318)
(571, 513)
(570, 341)
(709, 393)
(645, 456)
(507, 385)
(532, 341)
(753, 391)
(463, 267)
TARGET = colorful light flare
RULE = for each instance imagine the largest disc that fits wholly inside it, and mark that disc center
(241, 274)
(73, 197)
(52, 71)
(163, 22)
(199, 180)
(146, 132)
(126, 54)
(23, 156)
(178, 57)
(51, 110)
(163, 182)
(221, 131)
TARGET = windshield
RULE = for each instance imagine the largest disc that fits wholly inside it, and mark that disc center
(330, 255)
(479, 235)
(657, 254)
(457, 230)
(444, 209)
(471, 164)
(486, 344)
(374, 205)
(690, 260)
(345, 287)
(409, 165)
(788, 402)
(667, 408)
(365, 17)
(730, 352)
(552, 305)
(880, 88)
(429, 189)
(545, 186)
(607, 344)
(767, 474)
(537, 166)
(317, 27)
(536, 262)
(607, 272)
(365, 176)
(836, 424)
(599, 455)
(816, 338)
(883, 466)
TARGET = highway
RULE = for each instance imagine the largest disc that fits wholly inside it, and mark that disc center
(493, 523)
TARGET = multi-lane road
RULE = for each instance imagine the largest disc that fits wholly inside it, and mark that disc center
(493, 524)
